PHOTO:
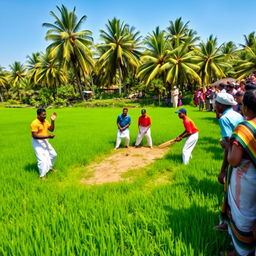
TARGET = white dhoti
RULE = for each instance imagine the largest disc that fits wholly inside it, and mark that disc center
(188, 147)
(45, 155)
(142, 134)
(175, 101)
(123, 135)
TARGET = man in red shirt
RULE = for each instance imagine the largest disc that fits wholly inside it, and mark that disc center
(190, 133)
(144, 124)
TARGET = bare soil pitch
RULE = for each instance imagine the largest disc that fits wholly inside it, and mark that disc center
(122, 161)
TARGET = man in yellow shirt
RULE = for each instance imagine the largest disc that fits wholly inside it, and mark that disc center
(44, 151)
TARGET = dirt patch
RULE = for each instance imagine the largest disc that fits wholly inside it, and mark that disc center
(122, 161)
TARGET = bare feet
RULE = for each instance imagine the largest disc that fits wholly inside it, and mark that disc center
(230, 253)
(115, 148)
(53, 170)
(221, 227)
(43, 178)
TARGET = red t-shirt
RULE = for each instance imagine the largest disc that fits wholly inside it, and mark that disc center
(144, 121)
(189, 125)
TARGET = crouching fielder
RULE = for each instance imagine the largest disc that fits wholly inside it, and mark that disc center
(144, 124)
(123, 123)
(190, 133)
(45, 153)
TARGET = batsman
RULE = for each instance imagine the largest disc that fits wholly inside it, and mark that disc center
(190, 133)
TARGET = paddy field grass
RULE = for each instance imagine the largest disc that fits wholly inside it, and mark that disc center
(165, 209)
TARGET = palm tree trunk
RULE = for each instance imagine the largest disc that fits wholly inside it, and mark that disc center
(120, 83)
(1, 97)
(78, 82)
(92, 84)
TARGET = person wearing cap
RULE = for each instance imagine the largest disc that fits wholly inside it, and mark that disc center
(144, 124)
(228, 122)
(190, 133)
(123, 123)
(175, 96)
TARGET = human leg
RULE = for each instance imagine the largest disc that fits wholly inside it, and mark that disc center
(149, 139)
(188, 147)
(52, 154)
(127, 138)
(118, 140)
(139, 139)
(42, 156)
(175, 102)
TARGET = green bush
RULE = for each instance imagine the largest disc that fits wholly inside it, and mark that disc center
(65, 92)
(14, 102)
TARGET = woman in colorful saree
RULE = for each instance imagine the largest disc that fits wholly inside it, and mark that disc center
(242, 181)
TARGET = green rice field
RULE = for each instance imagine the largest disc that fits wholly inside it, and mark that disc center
(164, 209)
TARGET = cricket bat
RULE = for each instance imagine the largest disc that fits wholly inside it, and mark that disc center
(167, 143)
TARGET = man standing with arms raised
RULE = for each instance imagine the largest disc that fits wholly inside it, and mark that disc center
(44, 151)
(123, 123)
(190, 133)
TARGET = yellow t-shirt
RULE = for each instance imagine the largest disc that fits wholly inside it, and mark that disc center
(39, 127)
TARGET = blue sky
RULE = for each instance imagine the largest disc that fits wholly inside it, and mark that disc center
(22, 32)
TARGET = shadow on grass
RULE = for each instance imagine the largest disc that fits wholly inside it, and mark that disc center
(212, 146)
(32, 167)
(194, 225)
(211, 119)
(206, 186)
(175, 158)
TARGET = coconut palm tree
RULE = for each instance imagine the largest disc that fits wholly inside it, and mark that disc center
(120, 51)
(178, 32)
(246, 62)
(17, 73)
(24, 91)
(155, 56)
(229, 50)
(250, 40)
(3, 82)
(49, 73)
(70, 45)
(182, 66)
(32, 63)
(212, 61)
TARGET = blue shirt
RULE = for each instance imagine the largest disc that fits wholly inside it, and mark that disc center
(229, 121)
(123, 120)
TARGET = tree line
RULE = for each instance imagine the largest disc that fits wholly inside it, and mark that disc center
(72, 62)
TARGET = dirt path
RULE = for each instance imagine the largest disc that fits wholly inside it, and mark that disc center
(123, 160)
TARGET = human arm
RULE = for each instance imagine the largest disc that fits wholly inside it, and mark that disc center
(117, 123)
(183, 135)
(41, 137)
(148, 125)
(235, 154)
(53, 117)
(225, 145)
(124, 127)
